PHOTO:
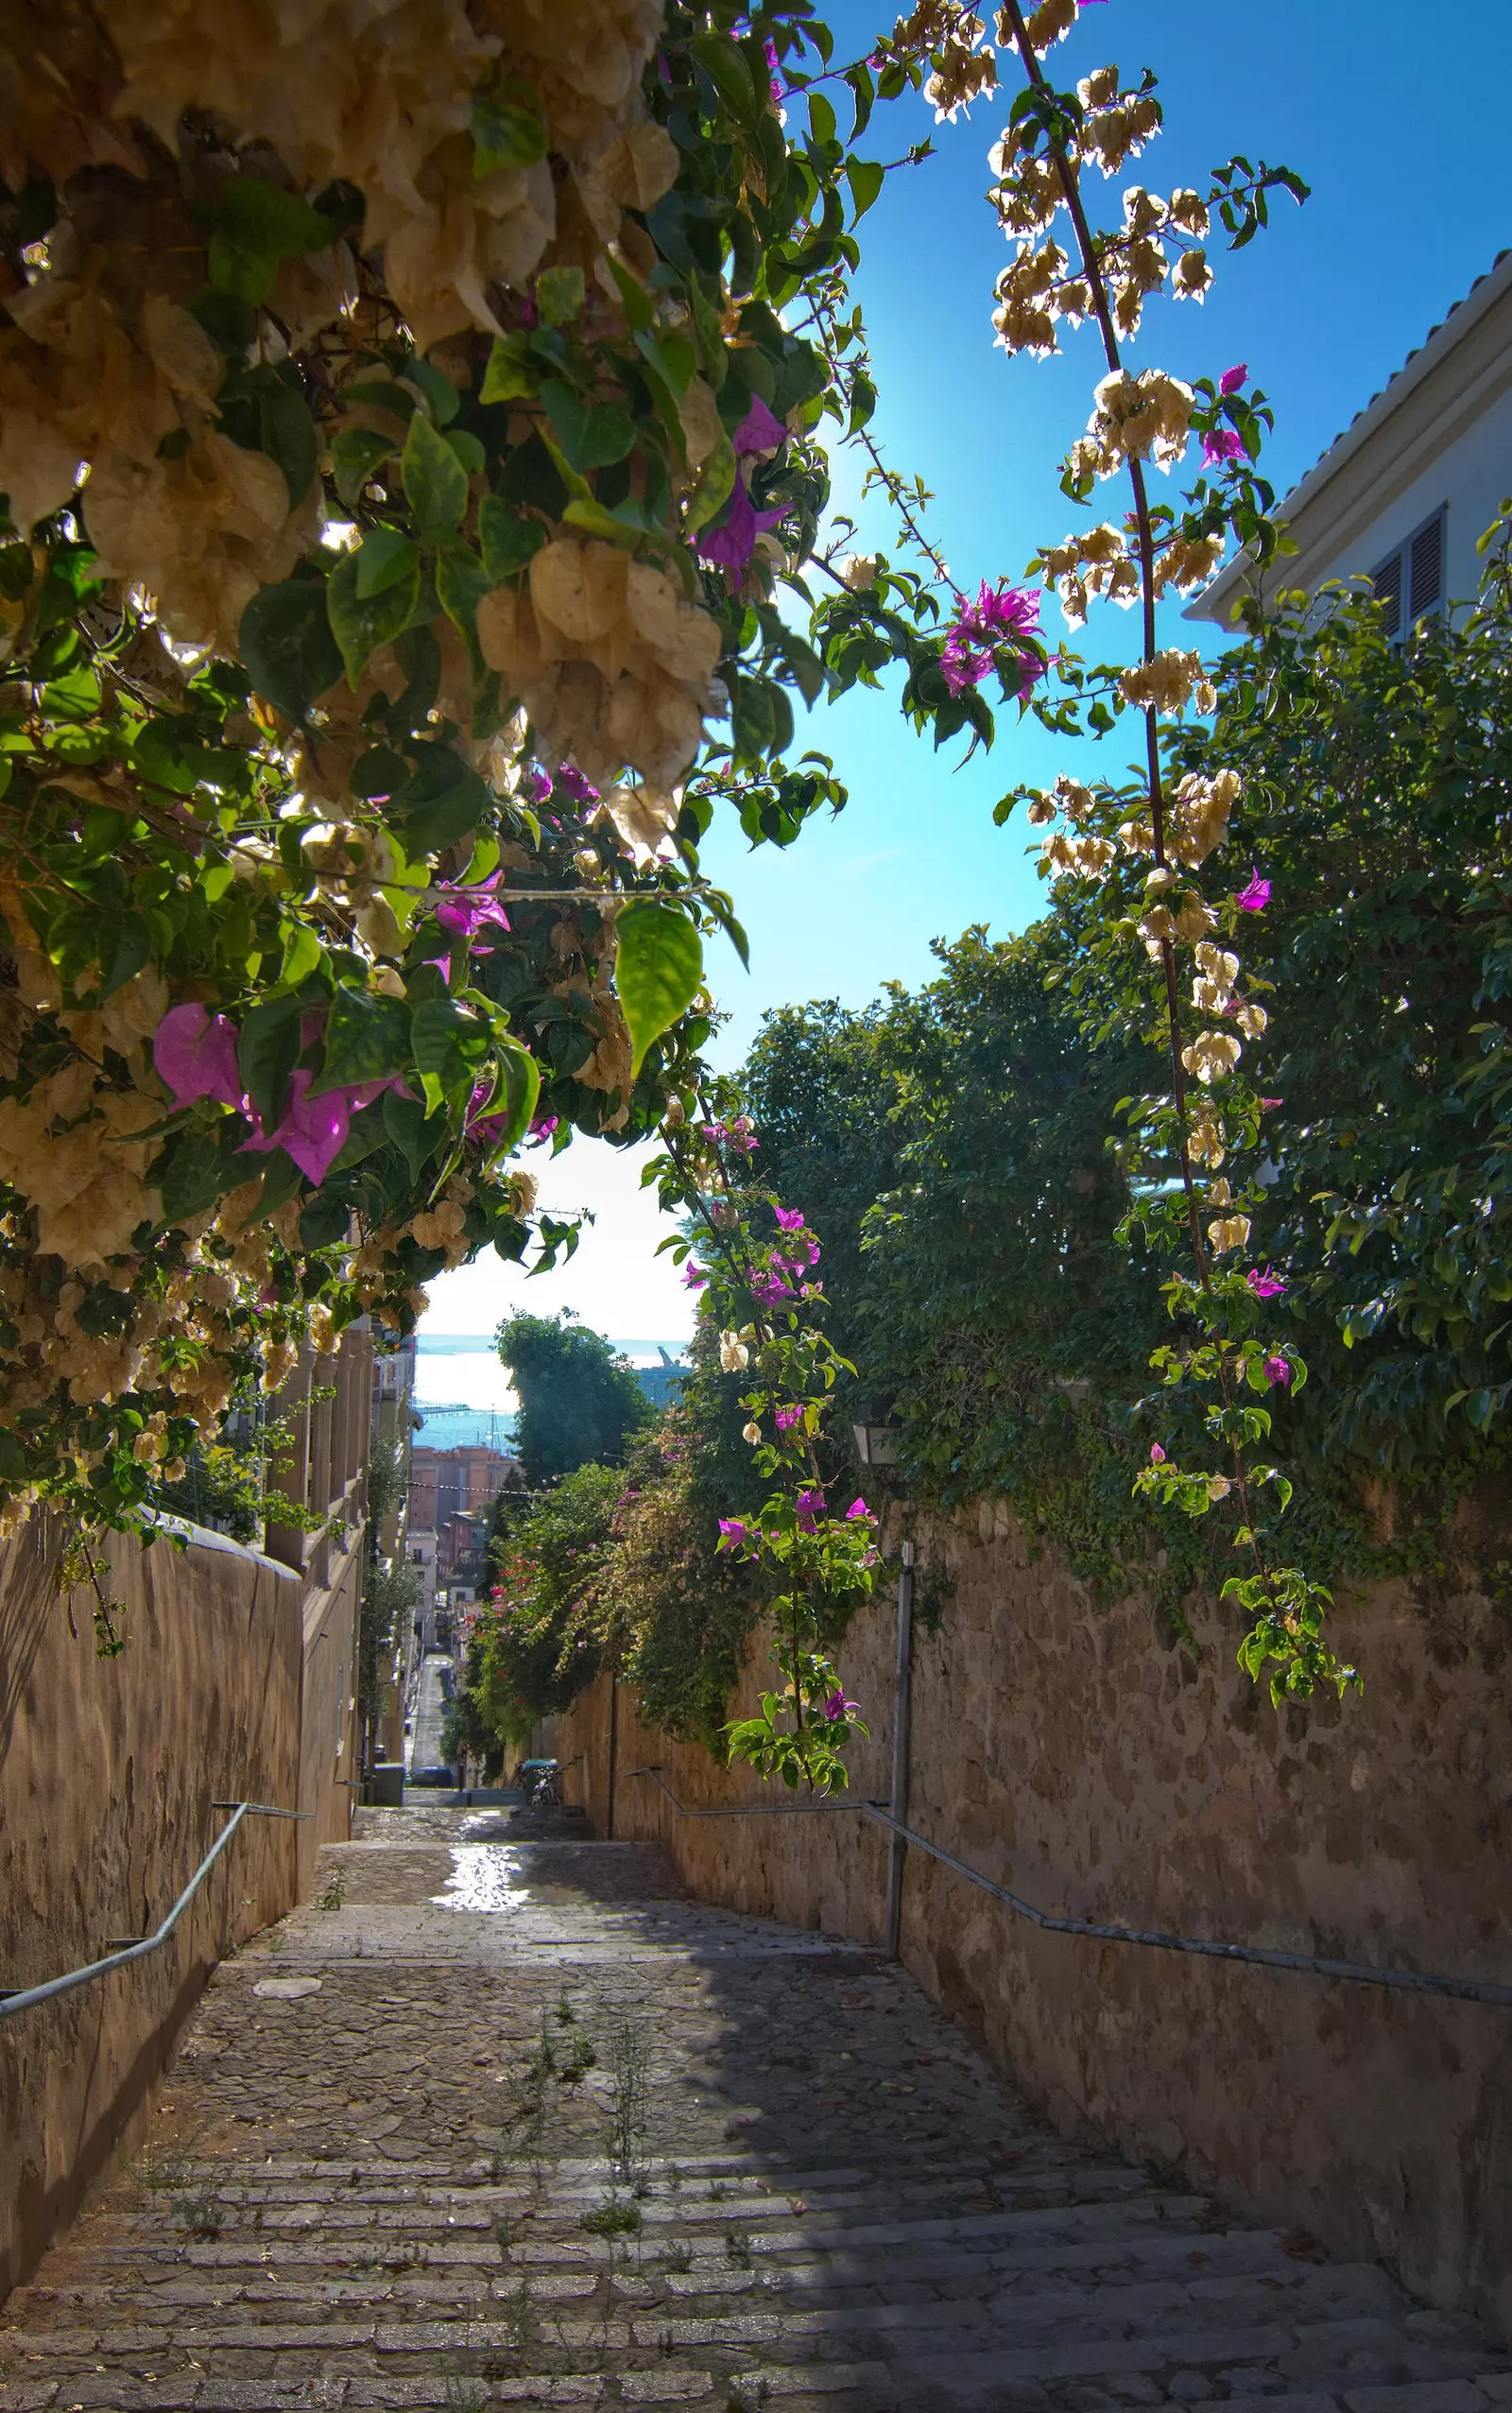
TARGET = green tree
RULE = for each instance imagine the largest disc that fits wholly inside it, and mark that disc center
(538, 1639)
(580, 1400)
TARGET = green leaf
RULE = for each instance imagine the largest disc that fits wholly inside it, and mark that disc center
(201, 1166)
(591, 434)
(510, 373)
(286, 642)
(127, 950)
(469, 451)
(366, 1038)
(596, 520)
(515, 1093)
(362, 623)
(462, 582)
(434, 480)
(405, 1122)
(640, 307)
(559, 294)
(258, 225)
(385, 557)
(508, 539)
(507, 133)
(657, 972)
(865, 178)
(302, 955)
(448, 1045)
(671, 359)
(287, 435)
(441, 394)
(443, 803)
(267, 1053)
(717, 487)
(354, 454)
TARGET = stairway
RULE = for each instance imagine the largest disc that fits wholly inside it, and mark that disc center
(499, 2123)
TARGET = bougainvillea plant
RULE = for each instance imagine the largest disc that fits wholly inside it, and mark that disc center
(406, 419)
(403, 419)
(755, 1263)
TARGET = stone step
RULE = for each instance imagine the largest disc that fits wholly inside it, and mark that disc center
(808, 2235)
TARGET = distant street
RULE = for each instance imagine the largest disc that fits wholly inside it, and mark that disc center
(425, 1745)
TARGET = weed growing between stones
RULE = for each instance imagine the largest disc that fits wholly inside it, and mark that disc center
(680, 2256)
(737, 2246)
(334, 1893)
(200, 2214)
(613, 2217)
(628, 2065)
(581, 2057)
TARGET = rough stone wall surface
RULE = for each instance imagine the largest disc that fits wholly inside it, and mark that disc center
(1077, 1754)
(108, 1771)
(329, 1740)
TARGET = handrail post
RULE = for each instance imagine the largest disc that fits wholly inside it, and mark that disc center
(902, 1716)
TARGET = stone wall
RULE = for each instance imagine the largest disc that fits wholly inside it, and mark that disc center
(109, 1770)
(1075, 1754)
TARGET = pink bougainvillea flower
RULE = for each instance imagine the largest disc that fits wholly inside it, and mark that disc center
(759, 431)
(543, 1130)
(573, 785)
(773, 71)
(1255, 895)
(731, 544)
(791, 1218)
(1224, 444)
(999, 616)
(465, 911)
(1264, 1283)
(693, 1276)
(858, 1508)
(808, 1509)
(313, 1131)
(732, 1529)
(1233, 378)
(836, 1707)
(1268, 1102)
(787, 1417)
(1278, 1370)
(195, 1052)
(1157, 1454)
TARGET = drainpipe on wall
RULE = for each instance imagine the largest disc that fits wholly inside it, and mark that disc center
(614, 1748)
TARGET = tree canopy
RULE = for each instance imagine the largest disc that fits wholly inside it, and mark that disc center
(580, 1400)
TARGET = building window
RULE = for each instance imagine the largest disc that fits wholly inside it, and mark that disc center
(1409, 583)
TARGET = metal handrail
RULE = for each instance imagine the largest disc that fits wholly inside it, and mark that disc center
(1355, 1972)
(13, 1999)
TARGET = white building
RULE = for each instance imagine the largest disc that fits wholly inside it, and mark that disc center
(1403, 495)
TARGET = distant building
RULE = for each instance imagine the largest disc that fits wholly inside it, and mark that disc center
(448, 1483)
(1403, 496)
(659, 1382)
(393, 1424)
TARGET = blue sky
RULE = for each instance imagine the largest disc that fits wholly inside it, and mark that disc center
(1383, 109)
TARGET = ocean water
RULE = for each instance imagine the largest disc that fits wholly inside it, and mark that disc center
(464, 1396)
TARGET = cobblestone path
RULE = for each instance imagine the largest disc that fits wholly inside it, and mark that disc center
(516, 2123)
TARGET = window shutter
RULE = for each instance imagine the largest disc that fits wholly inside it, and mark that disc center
(1425, 584)
(1387, 583)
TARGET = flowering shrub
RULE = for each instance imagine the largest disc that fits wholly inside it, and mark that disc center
(401, 424)
(955, 1147)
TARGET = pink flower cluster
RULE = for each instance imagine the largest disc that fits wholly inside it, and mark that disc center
(995, 623)
(740, 1135)
(196, 1056)
(462, 912)
(731, 544)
